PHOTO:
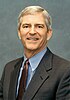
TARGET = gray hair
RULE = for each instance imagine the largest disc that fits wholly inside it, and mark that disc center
(32, 10)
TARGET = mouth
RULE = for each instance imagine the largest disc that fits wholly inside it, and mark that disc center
(33, 38)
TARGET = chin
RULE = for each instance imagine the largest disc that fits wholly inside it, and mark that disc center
(32, 48)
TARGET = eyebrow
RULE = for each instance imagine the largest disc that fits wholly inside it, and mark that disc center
(40, 24)
(25, 24)
(34, 24)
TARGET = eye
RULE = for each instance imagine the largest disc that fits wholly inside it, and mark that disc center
(40, 26)
(25, 26)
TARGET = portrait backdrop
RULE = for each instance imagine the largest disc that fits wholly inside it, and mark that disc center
(10, 45)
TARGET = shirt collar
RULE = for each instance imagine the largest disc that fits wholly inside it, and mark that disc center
(35, 60)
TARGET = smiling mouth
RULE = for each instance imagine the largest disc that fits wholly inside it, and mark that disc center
(32, 38)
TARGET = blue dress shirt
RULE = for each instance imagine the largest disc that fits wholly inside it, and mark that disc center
(33, 64)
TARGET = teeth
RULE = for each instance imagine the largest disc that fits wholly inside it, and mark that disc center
(32, 39)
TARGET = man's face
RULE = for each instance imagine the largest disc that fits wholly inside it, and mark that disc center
(33, 32)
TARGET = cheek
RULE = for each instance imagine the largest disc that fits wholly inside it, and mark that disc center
(44, 37)
(22, 33)
(22, 36)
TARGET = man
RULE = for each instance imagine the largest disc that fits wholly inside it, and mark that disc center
(48, 76)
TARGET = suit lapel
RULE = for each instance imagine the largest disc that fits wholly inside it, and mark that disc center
(40, 76)
(13, 81)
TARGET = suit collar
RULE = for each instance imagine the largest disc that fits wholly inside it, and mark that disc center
(47, 60)
(40, 76)
(13, 79)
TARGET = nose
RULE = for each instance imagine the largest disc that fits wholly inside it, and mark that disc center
(32, 30)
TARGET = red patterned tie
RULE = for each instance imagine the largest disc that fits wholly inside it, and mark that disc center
(23, 80)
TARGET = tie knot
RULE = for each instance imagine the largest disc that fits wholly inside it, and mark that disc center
(26, 62)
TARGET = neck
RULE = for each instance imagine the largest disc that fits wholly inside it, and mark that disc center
(31, 53)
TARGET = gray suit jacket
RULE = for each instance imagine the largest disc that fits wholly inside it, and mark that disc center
(51, 80)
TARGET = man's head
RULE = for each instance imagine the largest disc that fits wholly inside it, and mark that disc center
(34, 28)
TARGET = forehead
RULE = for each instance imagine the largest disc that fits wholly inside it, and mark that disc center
(33, 18)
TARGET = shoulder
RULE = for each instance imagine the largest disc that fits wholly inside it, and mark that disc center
(56, 60)
(12, 63)
(60, 65)
(60, 61)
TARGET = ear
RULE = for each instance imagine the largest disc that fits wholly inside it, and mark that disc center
(19, 34)
(49, 34)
